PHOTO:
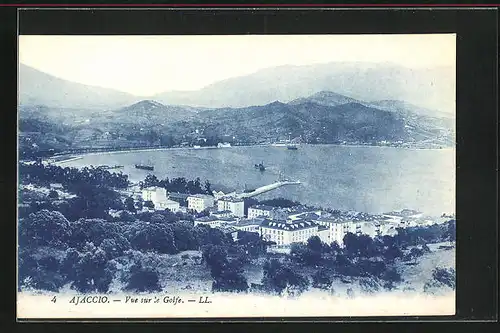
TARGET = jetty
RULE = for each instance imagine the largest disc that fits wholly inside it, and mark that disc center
(266, 188)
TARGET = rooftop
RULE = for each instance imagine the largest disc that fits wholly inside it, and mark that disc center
(263, 207)
(289, 226)
(228, 229)
(231, 199)
(213, 219)
(246, 222)
(178, 195)
(200, 196)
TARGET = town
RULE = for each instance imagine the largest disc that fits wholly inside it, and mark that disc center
(178, 234)
(279, 225)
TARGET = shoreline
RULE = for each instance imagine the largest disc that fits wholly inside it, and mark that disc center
(128, 150)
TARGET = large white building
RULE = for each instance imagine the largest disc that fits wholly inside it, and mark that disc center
(288, 232)
(159, 197)
(200, 202)
(215, 222)
(235, 205)
(250, 225)
(260, 211)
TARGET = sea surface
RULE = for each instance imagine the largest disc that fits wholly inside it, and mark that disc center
(368, 179)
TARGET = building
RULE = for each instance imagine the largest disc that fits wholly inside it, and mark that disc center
(220, 191)
(200, 202)
(230, 230)
(154, 194)
(249, 225)
(216, 213)
(214, 222)
(338, 229)
(324, 234)
(158, 196)
(171, 205)
(260, 211)
(235, 205)
(288, 232)
(220, 194)
(181, 198)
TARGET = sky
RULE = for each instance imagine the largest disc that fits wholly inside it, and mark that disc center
(146, 65)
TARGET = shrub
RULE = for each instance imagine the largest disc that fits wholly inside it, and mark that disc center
(322, 279)
(143, 279)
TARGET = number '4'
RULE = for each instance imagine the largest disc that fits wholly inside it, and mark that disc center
(53, 300)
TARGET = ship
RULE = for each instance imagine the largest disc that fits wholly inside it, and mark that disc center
(143, 166)
(260, 166)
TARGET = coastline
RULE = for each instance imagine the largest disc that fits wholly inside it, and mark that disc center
(72, 157)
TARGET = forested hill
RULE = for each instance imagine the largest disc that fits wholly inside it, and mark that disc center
(324, 117)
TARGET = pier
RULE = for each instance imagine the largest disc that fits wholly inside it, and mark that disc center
(267, 188)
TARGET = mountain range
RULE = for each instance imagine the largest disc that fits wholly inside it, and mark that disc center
(74, 115)
(432, 88)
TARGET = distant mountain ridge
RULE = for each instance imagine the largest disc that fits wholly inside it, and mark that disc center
(39, 88)
(431, 89)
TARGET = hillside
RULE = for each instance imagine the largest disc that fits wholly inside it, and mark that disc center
(429, 88)
(324, 117)
(38, 88)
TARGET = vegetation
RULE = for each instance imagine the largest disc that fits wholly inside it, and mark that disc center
(73, 240)
(179, 185)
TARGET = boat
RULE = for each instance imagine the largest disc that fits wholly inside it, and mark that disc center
(145, 166)
(260, 166)
(290, 145)
(107, 167)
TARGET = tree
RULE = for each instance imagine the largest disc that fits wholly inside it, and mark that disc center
(93, 273)
(444, 276)
(322, 278)
(130, 205)
(143, 279)
(450, 234)
(391, 277)
(278, 277)
(149, 204)
(93, 230)
(208, 188)
(39, 273)
(151, 181)
(362, 245)
(369, 285)
(231, 278)
(184, 237)
(44, 228)
(158, 218)
(53, 194)
(314, 244)
(301, 253)
(115, 247)
(252, 243)
(151, 237)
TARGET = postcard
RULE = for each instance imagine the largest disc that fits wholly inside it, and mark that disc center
(230, 176)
